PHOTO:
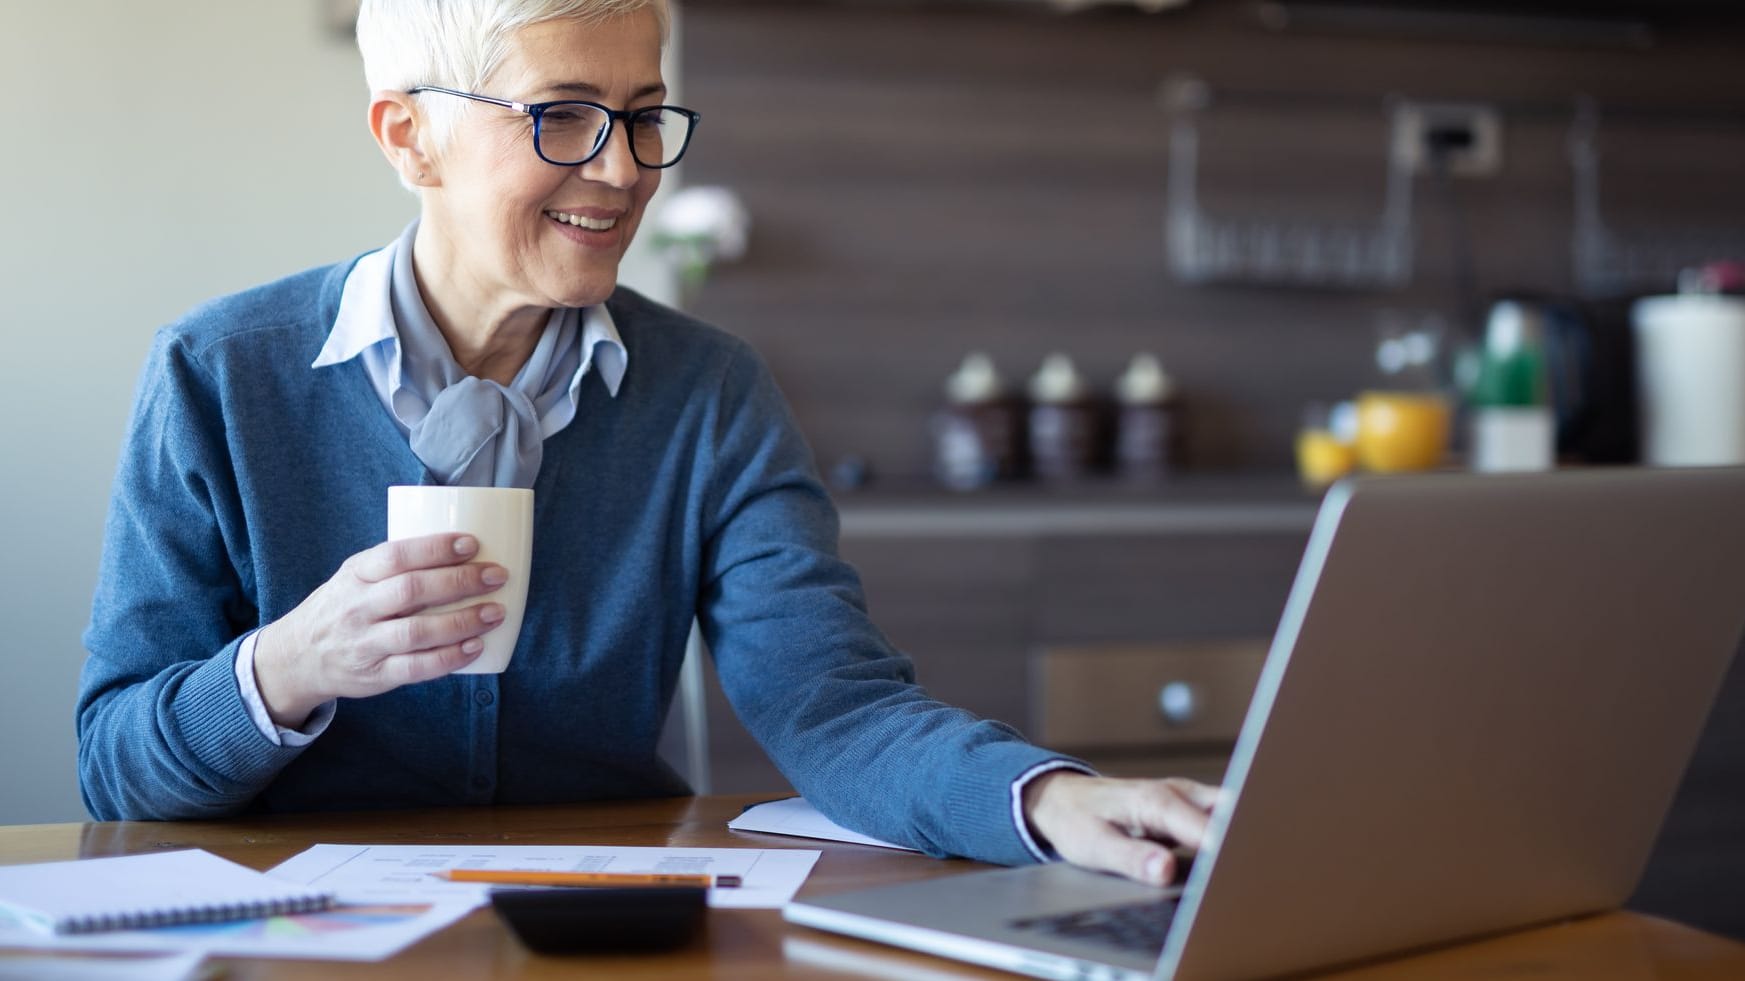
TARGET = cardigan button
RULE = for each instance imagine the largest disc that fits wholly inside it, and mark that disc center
(483, 697)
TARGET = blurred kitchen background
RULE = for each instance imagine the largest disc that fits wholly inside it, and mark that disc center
(1250, 192)
(1282, 204)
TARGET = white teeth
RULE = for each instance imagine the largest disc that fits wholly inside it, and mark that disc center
(580, 221)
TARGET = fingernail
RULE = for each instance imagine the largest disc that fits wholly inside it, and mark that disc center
(491, 613)
(466, 545)
(1154, 869)
(494, 575)
(471, 647)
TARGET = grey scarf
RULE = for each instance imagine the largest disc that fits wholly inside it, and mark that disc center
(472, 431)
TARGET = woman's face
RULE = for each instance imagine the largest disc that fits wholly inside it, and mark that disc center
(496, 205)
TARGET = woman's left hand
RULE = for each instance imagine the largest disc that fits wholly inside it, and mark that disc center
(1129, 827)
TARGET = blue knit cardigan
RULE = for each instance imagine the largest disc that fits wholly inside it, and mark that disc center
(247, 477)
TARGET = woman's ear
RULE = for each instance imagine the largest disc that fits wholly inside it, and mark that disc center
(398, 127)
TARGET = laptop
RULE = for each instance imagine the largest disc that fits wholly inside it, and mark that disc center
(1481, 697)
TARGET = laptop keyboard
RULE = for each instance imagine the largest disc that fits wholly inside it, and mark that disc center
(1136, 926)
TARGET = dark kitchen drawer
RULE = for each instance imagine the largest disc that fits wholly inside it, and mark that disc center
(1132, 697)
(1162, 587)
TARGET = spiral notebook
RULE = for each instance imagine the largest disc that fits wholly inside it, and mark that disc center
(151, 890)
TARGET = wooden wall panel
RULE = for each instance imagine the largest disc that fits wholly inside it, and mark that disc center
(926, 179)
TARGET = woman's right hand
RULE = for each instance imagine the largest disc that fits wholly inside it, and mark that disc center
(366, 630)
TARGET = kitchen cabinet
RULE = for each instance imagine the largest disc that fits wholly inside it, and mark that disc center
(1084, 621)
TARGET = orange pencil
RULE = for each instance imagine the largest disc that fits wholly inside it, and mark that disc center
(516, 877)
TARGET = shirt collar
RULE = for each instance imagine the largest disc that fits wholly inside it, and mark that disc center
(366, 318)
(602, 349)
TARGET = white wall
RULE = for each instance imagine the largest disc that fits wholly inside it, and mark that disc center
(151, 156)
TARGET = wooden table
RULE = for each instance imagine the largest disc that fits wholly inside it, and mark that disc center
(757, 943)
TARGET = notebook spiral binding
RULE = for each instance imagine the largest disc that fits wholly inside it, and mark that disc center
(184, 915)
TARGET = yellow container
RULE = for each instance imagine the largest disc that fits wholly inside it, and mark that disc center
(1323, 457)
(1402, 431)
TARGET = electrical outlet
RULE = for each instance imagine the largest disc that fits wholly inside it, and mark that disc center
(1467, 136)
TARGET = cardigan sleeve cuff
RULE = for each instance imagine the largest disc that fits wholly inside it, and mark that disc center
(985, 800)
(208, 715)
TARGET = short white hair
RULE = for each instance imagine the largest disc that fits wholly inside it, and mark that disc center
(460, 43)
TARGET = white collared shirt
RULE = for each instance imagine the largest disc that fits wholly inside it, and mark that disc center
(364, 328)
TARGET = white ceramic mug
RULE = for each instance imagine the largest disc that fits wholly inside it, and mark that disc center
(501, 518)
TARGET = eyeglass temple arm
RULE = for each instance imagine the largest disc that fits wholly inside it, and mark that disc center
(505, 103)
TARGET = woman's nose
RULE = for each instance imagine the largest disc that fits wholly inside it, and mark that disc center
(614, 164)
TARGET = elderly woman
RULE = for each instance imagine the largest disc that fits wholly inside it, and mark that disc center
(255, 647)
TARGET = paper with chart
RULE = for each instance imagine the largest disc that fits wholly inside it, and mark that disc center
(402, 873)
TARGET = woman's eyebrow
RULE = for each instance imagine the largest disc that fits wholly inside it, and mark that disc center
(592, 91)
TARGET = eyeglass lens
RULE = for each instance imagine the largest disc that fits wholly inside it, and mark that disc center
(570, 132)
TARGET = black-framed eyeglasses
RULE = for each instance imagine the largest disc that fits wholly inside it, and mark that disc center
(570, 132)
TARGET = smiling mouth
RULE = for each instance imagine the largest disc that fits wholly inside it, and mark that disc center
(582, 221)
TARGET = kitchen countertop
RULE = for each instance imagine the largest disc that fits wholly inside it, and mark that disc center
(1197, 504)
